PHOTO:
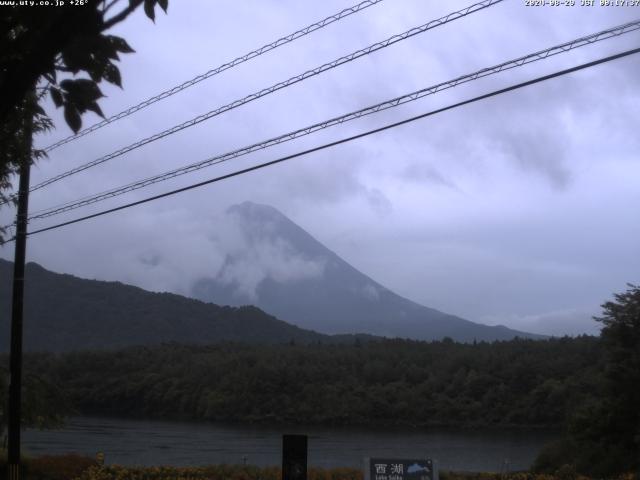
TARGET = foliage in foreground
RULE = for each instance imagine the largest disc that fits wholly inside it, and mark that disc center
(216, 472)
(76, 467)
(603, 434)
(226, 472)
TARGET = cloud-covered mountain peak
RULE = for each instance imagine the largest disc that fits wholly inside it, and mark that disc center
(256, 213)
(264, 226)
(281, 268)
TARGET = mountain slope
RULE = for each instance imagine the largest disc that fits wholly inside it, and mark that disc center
(285, 271)
(63, 313)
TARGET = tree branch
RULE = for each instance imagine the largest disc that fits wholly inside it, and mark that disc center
(106, 7)
(122, 15)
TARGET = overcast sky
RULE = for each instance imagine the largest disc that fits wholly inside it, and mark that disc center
(520, 210)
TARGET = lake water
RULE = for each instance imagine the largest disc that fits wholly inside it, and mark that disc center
(150, 442)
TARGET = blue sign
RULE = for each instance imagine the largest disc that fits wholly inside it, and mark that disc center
(400, 469)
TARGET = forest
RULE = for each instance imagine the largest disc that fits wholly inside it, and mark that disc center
(391, 382)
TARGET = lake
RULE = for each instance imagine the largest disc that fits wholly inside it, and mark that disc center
(152, 442)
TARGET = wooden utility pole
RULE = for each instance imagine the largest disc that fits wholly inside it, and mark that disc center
(15, 358)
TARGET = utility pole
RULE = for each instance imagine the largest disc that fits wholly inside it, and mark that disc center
(15, 358)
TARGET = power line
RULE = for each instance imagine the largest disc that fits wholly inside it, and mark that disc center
(278, 86)
(225, 66)
(345, 140)
(530, 58)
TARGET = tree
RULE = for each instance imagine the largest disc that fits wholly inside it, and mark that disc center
(40, 44)
(603, 437)
(44, 402)
(620, 427)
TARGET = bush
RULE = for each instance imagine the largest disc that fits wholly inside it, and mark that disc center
(554, 455)
(49, 467)
(59, 467)
(218, 472)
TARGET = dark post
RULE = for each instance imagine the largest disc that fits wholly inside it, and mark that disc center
(15, 358)
(294, 457)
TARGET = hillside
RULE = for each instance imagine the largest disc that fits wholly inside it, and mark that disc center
(63, 312)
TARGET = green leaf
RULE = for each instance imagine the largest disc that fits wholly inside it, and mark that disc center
(95, 108)
(164, 4)
(112, 75)
(39, 110)
(77, 56)
(149, 9)
(95, 71)
(50, 76)
(81, 95)
(107, 47)
(82, 90)
(68, 85)
(72, 116)
(120, 44)
(56, 96)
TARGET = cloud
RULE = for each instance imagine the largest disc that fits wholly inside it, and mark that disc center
(421, 171)
(258, 252)
(379, 202)
(370, 292)
(571, 322)
(150, 260)
(539, 151)
(268, 260)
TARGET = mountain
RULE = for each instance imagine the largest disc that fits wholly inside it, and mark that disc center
(282, 269)
(64, 313)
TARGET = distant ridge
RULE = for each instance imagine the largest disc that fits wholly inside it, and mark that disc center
(65, 313)
(325, 294)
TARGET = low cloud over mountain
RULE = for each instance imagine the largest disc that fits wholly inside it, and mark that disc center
(283, 270)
